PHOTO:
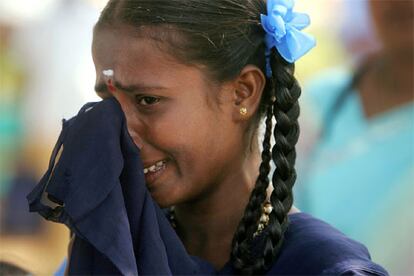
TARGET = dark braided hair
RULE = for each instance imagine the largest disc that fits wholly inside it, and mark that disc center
(225, 36)
(285, 109)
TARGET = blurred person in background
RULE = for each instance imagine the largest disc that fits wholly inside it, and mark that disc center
(359, 174)
(14, 219)
(45, 61)
(16, 177)
(11, 82)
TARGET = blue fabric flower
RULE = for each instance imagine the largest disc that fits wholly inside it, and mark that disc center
(283, 31)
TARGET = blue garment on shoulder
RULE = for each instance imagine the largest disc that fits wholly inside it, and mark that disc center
(96, 187)
(313, 247)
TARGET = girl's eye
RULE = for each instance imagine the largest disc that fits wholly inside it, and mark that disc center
(147, 100)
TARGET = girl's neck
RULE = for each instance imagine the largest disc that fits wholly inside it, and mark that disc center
(206, 226)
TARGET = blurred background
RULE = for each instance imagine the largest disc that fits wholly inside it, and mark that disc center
(355, 101)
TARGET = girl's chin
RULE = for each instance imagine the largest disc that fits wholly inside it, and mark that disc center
(163, 199)
(163, 202)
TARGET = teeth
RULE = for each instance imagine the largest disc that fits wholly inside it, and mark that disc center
(155, 167)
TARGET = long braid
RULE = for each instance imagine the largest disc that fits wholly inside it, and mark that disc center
(285, 109)
(241, 247)
(286, 133)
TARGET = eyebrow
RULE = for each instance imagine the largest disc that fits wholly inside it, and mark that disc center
(102, 87)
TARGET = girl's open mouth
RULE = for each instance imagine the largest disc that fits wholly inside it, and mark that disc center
(153, 171)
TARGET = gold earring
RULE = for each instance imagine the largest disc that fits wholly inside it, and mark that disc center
(243, 111)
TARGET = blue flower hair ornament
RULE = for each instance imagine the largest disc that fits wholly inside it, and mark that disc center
(283, 31)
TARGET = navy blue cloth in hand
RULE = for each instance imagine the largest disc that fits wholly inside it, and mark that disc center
(95, 185)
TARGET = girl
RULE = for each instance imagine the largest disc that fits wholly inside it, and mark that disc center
(194, 79)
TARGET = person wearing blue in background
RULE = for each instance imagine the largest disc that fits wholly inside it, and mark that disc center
(359, 177)
(194, 79)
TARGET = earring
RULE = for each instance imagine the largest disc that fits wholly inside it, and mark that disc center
(243, 111)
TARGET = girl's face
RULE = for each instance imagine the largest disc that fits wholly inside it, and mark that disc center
(183, 124)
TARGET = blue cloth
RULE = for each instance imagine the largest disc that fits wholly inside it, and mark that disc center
(313, 247)
(97, 189)
(98, 185)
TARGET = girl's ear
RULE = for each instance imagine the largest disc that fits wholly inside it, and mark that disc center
(248, 89)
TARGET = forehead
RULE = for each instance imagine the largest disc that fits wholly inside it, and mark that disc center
(125, 52)
(139, 61)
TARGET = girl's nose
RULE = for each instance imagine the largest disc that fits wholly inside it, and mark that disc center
(134, 124)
